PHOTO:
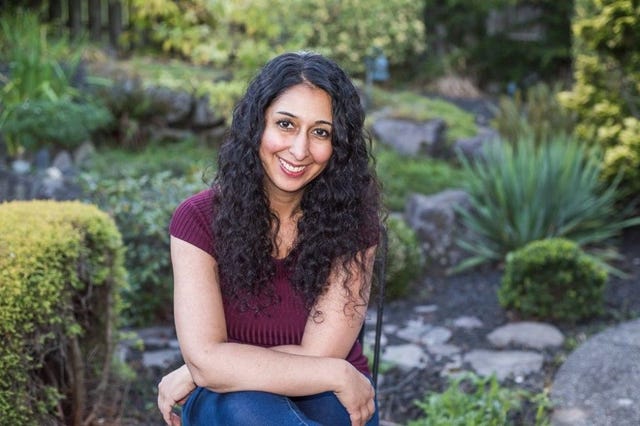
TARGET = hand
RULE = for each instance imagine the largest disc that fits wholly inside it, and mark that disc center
(174, 388)
(357, 395)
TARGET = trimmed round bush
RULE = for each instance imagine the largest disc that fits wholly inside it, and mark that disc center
(404, 258)
(61, 271)
(554, 279)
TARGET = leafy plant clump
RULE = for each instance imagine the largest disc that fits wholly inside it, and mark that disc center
(536, 113)
(404, 258)
(522, 193)
(141, 206)
(606, 93)
(555, 279)
(471, 400)
(40, 105)
(59, 122)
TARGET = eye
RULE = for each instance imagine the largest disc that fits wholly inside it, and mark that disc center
(284, 124)
(322, 133)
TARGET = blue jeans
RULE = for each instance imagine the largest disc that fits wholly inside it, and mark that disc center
(248, 408)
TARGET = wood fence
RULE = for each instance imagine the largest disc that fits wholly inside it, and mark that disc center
(101, 20)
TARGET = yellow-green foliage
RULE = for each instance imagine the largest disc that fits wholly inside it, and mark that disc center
(606, 94)
(247, 33)
(60, 266)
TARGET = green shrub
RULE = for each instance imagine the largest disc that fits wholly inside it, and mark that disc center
(246, 34)
(606, 93)
(470, 400)
(521, 193)
(401, 175)
(61, 269)
(185, 157)
(553, 279)
(404, 258)
(538, 114)
(142, 206)
(38, 100)
(60, 123)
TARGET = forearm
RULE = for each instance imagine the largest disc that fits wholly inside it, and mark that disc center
(230, 367)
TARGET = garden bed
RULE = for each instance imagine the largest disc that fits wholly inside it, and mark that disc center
(471, 294)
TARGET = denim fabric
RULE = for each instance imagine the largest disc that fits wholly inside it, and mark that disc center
(248, 408)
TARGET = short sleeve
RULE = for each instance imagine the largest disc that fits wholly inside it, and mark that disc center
(191, 221)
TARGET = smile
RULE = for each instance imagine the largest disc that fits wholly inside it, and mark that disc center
(290, 167)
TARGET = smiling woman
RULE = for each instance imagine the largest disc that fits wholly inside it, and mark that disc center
(272, 264)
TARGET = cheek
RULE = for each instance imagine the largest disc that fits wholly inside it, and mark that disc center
(322, 153)
(269, 143)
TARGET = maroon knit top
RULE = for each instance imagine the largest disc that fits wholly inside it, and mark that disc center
(278, 324)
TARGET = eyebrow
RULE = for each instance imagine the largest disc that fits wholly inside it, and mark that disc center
(288, 114)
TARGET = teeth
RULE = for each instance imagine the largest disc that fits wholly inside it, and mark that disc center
(291, 168)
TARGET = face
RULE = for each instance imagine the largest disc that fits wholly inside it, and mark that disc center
(296, 144)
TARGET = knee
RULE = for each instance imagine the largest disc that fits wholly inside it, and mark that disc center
(249, 407)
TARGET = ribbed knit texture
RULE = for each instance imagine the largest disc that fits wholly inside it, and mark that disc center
(279, 324)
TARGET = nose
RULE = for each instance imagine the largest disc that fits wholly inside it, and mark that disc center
(299, 147)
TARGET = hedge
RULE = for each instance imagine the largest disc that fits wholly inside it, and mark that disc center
(61, 264)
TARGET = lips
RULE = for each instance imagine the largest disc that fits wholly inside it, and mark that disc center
(291, 169)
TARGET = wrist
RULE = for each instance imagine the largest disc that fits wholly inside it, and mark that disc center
(342, 373)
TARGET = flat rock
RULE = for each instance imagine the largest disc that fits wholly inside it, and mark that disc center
(467, 322)
(533, 335)
(504, 363)
(407, 356)
(417, 331)
(162, 358)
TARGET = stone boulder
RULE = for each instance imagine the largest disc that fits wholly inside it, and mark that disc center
(410, 137)
(471, 147)
(437, 226)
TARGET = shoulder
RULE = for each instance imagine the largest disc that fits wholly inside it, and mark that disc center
(192, 220)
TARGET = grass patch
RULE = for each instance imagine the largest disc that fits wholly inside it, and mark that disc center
(402, 175)
(187, 157)
(412, 106)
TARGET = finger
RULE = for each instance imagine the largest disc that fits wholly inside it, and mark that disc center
(175, 420)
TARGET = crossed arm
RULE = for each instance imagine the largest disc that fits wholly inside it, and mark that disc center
(316, 365)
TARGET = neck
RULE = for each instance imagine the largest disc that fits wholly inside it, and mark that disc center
(285, 206)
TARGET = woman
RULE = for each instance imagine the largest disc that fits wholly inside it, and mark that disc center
(272, 265)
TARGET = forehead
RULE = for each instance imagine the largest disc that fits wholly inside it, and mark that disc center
(303, 100)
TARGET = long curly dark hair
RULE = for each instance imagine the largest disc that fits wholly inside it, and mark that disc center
(340, 208)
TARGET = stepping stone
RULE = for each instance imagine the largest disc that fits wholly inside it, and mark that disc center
(162, 358)
(417, 331)
(533, 335)
(436, 336)
(370, 338)
(504, 363)
(467, 322)
(406, 356)
(425, 309)
(390, 328)
(443, 350)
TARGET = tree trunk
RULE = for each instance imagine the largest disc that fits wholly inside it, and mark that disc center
(55, 10)
(115, 22)
(95, 19)
(75, 17)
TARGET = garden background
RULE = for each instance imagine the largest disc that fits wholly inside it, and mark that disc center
(528, 112)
